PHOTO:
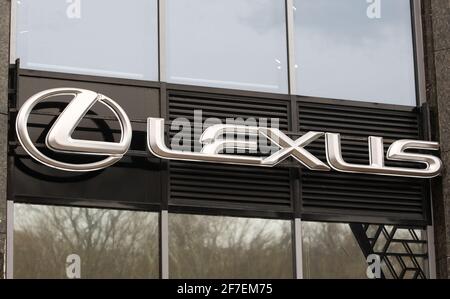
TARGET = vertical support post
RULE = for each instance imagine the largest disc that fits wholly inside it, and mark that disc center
(298, 248)
(12, 33)
(164, 244)
(162, 39)
(9, 239)
(422, 99)
(431, 252)
(297, 225)
(419, 51)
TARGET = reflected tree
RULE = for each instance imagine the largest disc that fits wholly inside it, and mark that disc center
(124, 244)
(110, 243)
(331, 251)
(225, 247)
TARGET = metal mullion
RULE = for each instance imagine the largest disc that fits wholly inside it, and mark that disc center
(298, 248)
(297, 222)
(431, 250)
(290, 45)
(164, 244)
(162, 39)
(12, 32)
(419, 56)
(422, 94)
(9, 239)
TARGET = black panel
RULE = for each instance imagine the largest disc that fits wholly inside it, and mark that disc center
(133, 183)
(385, 199)
(138, 102)
(123, 185)
(255, 190)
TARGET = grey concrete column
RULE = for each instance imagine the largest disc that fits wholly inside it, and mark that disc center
(4, 65)
(436, 22)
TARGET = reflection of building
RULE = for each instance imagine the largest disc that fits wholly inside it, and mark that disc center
(334, 66)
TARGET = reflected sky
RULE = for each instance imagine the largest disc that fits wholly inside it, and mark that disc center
(238, 44)
(103, 37)
(343, 54)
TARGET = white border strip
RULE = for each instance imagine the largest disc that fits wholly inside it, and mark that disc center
(223, 84)
(87, 71)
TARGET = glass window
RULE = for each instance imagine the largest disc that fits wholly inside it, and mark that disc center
(62, 242)
(94, 37)
(239, 44)
(355, 49)
(226, 247)
(331, 251)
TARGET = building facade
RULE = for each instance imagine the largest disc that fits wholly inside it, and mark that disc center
(313, 79)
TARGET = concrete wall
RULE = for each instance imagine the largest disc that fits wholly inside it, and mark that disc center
(4, 65)
(436, 23)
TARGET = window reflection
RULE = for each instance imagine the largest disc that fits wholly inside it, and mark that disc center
(330, 251)
(239, 44)
(226, 247)
(351, 49)
(109, 243)
(92, 37)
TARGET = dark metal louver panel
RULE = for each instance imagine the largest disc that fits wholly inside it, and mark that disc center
(205, 185)
(184, 104)
(234, 187)
(382, 197)
(359, 121)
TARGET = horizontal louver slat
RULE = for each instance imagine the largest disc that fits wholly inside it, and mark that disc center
(345, 194)
(200, 185)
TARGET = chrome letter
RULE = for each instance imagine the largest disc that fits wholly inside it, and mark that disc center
(376, 153)
(157, 146)
(293, 148)
(433, 164)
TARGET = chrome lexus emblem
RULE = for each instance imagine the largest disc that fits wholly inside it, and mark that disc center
(59, 137)
(59, 140)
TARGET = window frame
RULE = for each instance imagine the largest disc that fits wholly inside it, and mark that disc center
(420, 86)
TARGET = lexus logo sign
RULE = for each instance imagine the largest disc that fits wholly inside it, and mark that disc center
(59, 140)
(59, 137)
